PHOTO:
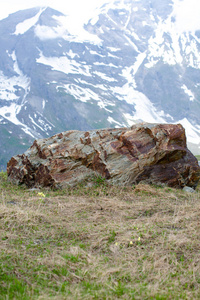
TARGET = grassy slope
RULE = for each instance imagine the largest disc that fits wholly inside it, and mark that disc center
(99, 242)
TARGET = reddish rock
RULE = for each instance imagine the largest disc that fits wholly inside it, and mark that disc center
(152, 153)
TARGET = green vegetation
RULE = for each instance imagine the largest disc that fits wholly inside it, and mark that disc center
(99, 242)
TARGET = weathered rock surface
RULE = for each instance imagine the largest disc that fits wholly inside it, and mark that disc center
(152, 153)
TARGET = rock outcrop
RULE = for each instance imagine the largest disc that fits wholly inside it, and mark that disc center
(152, 153)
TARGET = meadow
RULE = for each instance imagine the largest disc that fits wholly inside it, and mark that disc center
(99, 242)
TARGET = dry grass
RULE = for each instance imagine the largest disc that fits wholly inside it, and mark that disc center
(99, 242)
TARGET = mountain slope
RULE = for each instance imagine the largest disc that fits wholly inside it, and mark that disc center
(129, 63)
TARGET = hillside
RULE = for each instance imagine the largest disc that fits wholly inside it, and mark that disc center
(99, 242)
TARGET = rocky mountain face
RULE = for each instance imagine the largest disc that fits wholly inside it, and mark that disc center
(129, 63)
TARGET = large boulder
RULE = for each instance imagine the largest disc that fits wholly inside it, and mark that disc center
(152, 153)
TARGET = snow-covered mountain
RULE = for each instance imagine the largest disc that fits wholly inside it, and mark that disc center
(130, 62)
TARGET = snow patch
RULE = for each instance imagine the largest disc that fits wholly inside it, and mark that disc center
(112, 121)
(33, 122)
(135, 36)
(44, 32)
(171, 54)
(10, 113)
(23, 27)
(179, 30)
(85, 83)
(129, 119)
(43, 104)
(135, 9)
(84, 94)
(63, 64)
(66, 30)
(139, 60)
(112, 49)
(144, 109)
(131, 43)
(188, 92)
(144, 23)
(105, 65)
(129, 72)
(192, 133)
(71, 54)
(96, 53)
(77, 32)
(79, 93)
(94, 20)
(104, 76)
(8, 85)
(114, 56)
(186, 13)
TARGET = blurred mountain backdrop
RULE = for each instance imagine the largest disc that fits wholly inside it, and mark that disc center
(131, 62)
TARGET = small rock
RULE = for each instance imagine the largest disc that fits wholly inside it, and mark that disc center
(12, 202)
(188, 189)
